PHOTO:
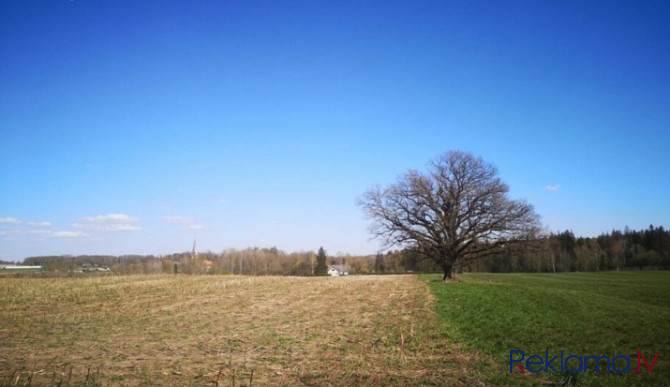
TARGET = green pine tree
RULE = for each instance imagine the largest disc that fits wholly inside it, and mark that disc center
(321, 268)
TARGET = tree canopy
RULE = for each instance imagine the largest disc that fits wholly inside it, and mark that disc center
(457, 212)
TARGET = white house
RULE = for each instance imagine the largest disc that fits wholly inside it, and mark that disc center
(92, 269)
(338, 270)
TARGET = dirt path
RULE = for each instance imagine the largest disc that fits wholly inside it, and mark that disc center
(189, 330)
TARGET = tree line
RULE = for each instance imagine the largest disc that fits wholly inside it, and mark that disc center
(248, 261)
(563, 252)
(556, 252)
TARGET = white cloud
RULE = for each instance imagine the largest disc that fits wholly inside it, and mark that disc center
(20, 231)
(178, 219)
(123, 227)
(9, 220)
(111, 222)
(41, 233)
(111, 218)
(553, 187)
(274, 223)
(195, 227)
(37, 232)
(39, 224)
(68, 234)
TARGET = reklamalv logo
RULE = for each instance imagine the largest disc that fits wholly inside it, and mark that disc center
(574, 363)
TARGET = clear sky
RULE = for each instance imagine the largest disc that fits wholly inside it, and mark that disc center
(133, 126)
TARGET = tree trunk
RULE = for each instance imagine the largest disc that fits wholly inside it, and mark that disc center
(449, 272)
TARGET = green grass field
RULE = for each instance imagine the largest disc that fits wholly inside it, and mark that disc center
(583, 314)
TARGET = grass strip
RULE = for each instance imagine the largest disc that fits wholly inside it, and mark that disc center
(583, 314)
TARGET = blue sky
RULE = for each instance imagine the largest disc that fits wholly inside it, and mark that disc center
(131, 127)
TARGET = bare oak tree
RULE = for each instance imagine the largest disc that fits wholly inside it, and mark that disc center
(456, 213)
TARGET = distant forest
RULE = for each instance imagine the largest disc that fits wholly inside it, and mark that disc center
(559, 252)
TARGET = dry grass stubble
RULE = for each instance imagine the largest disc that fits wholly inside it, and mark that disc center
(224, 330)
